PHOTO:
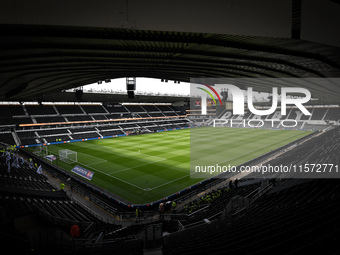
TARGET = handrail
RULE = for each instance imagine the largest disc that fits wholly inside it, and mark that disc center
(180, 226)
(107, 220)
(88, 229)
(63, 221)
(200, 210)
(251, 193)
(98, 238)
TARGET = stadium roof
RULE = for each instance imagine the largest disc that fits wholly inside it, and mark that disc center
(38, 60)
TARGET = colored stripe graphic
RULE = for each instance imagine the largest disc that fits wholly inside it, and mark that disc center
(208, 93)
(212, 89)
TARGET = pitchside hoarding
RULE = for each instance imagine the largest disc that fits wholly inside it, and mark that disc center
(246, 132)
(83, 172)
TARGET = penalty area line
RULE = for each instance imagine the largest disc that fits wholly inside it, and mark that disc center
(125, 169)
(129, 183)
(136, 152)
(166, 183)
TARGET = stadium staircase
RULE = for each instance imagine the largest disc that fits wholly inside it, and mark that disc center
(16, 138)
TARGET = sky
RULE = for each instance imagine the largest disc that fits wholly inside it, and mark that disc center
(154, 86)
(145, 85)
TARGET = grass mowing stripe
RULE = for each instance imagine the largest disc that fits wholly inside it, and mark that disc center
(240, 151)
(170, 182)
(148, 167)
(105, 148)
(260, 148)
(112, 176)
(125, 169)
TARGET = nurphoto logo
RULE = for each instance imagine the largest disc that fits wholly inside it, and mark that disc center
(241, 126)
(239, 101)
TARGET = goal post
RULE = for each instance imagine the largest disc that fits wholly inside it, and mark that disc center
(68, 156)
(40, 150)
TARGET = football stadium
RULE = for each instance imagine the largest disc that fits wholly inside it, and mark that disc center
(137, 127)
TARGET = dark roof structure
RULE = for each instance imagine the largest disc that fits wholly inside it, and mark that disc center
(38, 60)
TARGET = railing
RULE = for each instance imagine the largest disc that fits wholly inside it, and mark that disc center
(151, 235)
(180, 226)
(110, 209)
(54, 239)
(239, 204)
(63, 222)
(173, 217)
(191, 225)
(201, 211)
(194, 194)
(103, 219)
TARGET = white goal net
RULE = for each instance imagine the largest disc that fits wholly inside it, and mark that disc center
(68, 156)
(41, 151)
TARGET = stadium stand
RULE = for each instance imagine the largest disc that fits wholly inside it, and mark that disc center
(69, 109)
(150, 108)
(281, 222)
(49, 119)
(116, 109)
(91, 109)
(280, 213)
(64, 115)
(40, 110)
(79, 118)
(318, 114)
(134, 108)
(212, 203)
(322, 148)
(99, 117)
(51, 139)
(165, 108)
(51, 50)
(333, 114)
(28, 137)
(7, 138)
(27, 196)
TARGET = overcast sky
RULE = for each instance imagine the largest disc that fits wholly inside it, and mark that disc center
(145, 85)
(155, 86)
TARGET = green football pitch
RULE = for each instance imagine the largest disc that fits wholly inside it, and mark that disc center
(145, 168)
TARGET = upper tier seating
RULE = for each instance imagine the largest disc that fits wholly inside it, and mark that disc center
(7, 137)
(7, 111)
(40, 109)
(134, 108)
(116, 109)
(90, 109)
(151, 108)
(165, 108)
(50, 119)
(69, 109)
(333, 114)
(79, 118)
